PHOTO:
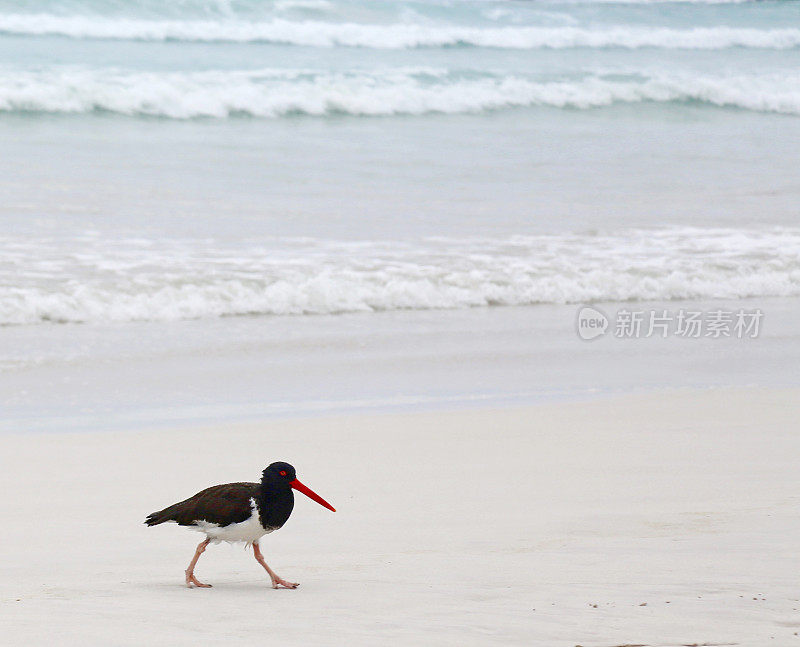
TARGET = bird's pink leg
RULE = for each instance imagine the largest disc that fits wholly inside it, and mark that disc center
(276, 581)
(191, 580)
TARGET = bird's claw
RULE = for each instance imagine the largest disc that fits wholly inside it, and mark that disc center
(280, 582)
(192, 581)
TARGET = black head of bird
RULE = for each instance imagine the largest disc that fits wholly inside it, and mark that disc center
(282, 475)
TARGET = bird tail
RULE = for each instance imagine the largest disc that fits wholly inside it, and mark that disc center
(155, 518)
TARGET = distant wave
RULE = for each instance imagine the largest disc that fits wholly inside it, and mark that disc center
(276, 93)
(664, 2)
(397, 35)
(94, 279)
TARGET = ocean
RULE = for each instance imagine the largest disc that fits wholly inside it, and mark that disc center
(219, 207)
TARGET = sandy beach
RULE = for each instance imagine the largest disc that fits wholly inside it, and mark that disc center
(658, 519)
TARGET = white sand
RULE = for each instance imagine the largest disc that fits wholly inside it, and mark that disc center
(666, 519)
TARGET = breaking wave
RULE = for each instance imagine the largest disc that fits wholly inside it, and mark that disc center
(395, 35)
(95, 279)
(276, 93)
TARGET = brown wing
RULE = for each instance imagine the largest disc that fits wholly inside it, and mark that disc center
(220, 504)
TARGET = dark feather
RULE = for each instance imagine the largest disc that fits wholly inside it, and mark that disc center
(219, 504)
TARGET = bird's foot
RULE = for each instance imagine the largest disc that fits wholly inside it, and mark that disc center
(279, 582)
(192, 581)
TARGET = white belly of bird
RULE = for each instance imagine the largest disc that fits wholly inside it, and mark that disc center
(248, 531)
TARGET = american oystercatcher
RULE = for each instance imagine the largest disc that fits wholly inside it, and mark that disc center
(239, 512)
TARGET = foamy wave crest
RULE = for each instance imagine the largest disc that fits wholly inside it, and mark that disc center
(93, 279)
(275, 93)
(396, 35)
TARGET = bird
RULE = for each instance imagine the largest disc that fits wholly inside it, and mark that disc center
(239, 512)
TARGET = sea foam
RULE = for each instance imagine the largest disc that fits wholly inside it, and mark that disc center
(399, 35)
(276, 93)
(95, 279)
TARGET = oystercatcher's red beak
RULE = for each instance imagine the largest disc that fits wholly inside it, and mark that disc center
(297, 485)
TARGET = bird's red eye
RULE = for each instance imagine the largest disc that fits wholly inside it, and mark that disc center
(283, 473)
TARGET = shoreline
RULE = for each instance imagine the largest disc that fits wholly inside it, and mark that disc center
(306, 412)
(145, 374)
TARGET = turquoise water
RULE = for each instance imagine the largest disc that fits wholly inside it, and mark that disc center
(201, 159)
(213, 158)
(218, 59)
(221, 209)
